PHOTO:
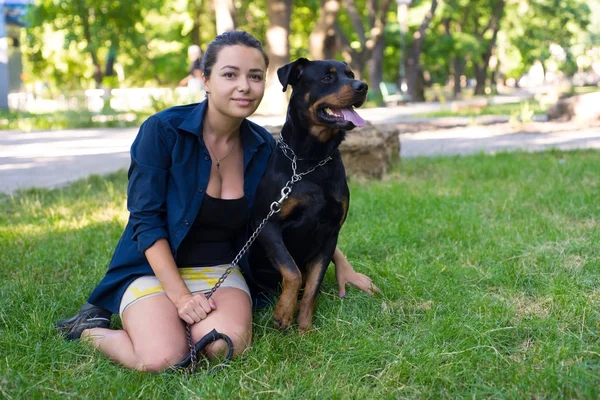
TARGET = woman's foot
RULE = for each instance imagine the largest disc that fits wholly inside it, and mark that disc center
(89, 316)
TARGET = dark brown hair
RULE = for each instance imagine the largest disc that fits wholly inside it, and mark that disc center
(226, 39)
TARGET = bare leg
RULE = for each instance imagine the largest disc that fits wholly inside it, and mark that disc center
(154, 337)
(152, 340)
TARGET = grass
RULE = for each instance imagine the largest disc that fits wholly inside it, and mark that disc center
(490, 268)
(585, 89)
(26, 121)
(510, 109)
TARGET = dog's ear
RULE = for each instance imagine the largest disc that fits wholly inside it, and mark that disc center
(290, 74)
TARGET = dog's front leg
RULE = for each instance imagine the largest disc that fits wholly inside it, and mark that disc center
(315, 271)
(272, 242)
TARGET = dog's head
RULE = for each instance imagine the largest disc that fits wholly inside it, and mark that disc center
(324, 95)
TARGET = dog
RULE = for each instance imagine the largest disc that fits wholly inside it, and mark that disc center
(296, 245)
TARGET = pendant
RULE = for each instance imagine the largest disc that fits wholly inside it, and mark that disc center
(218, 165)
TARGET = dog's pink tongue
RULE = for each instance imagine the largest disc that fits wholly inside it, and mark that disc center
(352, 116)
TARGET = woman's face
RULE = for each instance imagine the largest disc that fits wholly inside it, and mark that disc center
(237, 81)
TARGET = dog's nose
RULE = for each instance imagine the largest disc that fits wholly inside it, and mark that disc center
(360, 86)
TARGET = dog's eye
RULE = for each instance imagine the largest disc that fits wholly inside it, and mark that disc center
(327, 79)
(350, 75)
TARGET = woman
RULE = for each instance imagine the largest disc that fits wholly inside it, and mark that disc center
(194, 78)
(192, 180)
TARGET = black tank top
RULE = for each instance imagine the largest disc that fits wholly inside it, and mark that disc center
(212, 238)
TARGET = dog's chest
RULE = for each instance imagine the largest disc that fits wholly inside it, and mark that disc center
(310, 210)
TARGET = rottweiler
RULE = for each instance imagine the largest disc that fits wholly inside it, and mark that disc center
(296, 245)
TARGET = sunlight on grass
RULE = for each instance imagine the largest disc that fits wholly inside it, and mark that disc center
(523, 109)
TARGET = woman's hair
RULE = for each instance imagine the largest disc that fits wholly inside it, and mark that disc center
(230, 38)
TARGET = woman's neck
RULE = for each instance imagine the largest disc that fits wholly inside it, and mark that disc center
(220, 127)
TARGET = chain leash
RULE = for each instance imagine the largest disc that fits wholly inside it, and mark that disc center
(274, 209)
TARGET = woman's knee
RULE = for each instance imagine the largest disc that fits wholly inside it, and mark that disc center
(241, 338)
(162, 358)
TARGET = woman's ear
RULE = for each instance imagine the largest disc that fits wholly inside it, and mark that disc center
(205, 84)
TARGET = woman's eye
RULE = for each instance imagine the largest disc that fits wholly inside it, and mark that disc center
(256, 77)
(228, 75)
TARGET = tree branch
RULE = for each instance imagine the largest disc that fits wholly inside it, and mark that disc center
(372, 11)
(345, 43)
(356, 21)
(378, 26)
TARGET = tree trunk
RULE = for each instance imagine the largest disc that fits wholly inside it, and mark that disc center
(357, 64)
(482, 66)
(322, 39)
(416, 90)
(375, 66)
(225, 15)
(459, 65)
(278, 49)
(420, 87)
(543, 71)
(493, 78)
(480, 78)
(84, 14)
(196, 13)
(377, 21)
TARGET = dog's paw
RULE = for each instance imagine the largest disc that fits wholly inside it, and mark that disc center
(283, 318)
(305, 328)
(305, 317)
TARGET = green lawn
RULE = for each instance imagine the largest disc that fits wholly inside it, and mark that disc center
(526, 108)
(490, 268)
(26, 121)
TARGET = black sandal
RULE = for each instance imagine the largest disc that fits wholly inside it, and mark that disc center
(88, 317)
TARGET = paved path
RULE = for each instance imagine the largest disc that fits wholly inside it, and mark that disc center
(492, 139)
(55, 158)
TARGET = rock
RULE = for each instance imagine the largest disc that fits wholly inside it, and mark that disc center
(371, 150)
(368, 151)
(583, 107)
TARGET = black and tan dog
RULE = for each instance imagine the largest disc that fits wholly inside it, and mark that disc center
(297, 244)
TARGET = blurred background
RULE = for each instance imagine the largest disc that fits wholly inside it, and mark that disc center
(106, 62)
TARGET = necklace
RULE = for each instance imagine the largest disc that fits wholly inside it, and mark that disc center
(215, 155)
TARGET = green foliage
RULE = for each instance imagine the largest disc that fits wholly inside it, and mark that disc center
(489, 267)
(146, 36)
(150, 38)
(534, 25)
(523, 115)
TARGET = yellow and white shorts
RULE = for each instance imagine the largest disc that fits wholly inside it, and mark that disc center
(197, 279)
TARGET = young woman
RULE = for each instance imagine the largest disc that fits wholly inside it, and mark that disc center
(194, 172)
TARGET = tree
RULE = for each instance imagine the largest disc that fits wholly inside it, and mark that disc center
(362, 46)
(97, 26)
(533, 26)
(278, 49)
(323, 37)
(492, 27)
(224, 15)
(451, 46)
(415, 80)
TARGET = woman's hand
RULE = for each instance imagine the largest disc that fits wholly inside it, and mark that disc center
(194, 308)
(350, 276)
(345, 274)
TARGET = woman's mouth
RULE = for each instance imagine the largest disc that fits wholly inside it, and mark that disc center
(243, 102)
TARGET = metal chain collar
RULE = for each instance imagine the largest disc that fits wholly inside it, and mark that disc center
(274, 209)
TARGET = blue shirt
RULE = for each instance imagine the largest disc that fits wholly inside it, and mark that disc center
(168, 176)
